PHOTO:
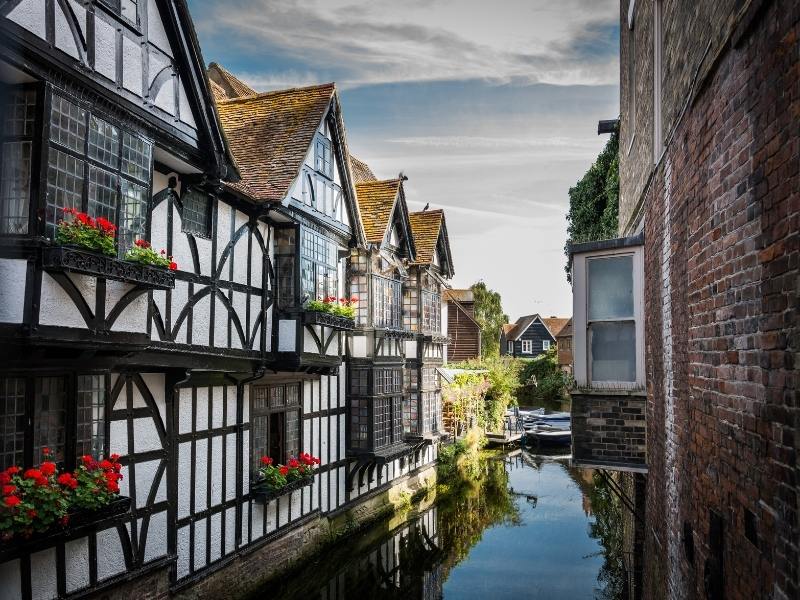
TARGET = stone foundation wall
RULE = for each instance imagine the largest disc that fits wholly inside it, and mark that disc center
(609, 429)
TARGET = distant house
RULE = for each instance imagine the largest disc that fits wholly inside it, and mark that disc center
(564, 345)
(530, 336)
(464, 332)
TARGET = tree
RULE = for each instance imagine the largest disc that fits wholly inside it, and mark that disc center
(594, 200)
(489, 316)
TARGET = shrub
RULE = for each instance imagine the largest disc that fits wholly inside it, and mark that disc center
(86, 232)
(343, 307)
(542, 381)
(143, 253)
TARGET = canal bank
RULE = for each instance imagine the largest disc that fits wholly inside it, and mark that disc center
(526, 525)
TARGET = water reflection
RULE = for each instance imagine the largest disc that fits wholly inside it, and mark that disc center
(528, 526)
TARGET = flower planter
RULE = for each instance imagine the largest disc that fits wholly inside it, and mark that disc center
(261, 493)
(80, 522)
(86, 262)
(328, 320)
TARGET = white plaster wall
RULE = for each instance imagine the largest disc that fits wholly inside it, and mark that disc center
(286, 335)
(186, 110)
(181, 253)
(105, 49)
(156, 536)
(131, 66)
(110, 558)
(13, 274)
(145, 435)
(43, 583)
(180, 296)
(76, 558)
(223, 232)
(358, 346)
(183, 552)
(240, 307)
(201, 321)
(56, 307)
(30, 15)
(10, 576)
(240, 249)
(155, 28)
(134, 317)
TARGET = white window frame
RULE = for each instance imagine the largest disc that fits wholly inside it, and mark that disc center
(527, 347)
(580, 300)
(510, 347)
(545, 345)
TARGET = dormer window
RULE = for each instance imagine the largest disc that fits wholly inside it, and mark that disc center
(394, 237)
(323, 157)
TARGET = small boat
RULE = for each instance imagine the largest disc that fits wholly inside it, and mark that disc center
(549, 435)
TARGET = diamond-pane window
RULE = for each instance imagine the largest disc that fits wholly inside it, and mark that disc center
(196, 215)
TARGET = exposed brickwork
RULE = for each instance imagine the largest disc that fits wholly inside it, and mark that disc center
(722, 265)
(609, 429)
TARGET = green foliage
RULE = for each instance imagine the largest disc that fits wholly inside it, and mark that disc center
(542, 382)
(607, 528)
(594, 200)
(503, 377)
(461, 459)
(142, 252)
(344, 308)
(490, 317)
(464, 400)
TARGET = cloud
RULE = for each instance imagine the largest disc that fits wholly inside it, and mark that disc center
(385, 41)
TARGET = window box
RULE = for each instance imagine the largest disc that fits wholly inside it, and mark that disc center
(436, 338)
(313, 317)
(78, 260)
(260, 492)
(81, 522)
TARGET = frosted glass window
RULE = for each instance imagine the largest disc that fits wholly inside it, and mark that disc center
(613, 351)
(610, 288)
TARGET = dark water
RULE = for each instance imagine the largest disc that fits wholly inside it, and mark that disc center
(525, 527)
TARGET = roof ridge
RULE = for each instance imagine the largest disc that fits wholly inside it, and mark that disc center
(431, 211)
(257, 95)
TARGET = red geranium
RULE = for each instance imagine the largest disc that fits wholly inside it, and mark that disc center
(47, 468)
(266, 460)
(283, 470)
(12, 501)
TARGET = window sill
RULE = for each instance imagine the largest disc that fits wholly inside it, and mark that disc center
(263, 494)
(80, 523)
(328, 320)
(86, 262)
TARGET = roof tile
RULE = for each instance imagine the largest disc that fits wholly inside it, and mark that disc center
(232, 86)
(361, 171)
(375, 202)
(425, 227)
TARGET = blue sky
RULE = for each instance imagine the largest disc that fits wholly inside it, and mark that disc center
(490, 109)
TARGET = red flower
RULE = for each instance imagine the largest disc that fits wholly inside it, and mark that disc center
(13, 469)
(284, 470)
(117, 467)
(173, 266)
(46, 451)
(112, 487)
(12, 501)
(31, 513)
(87, 460)
(353, 298)
(64, 521)
(114, 457)
(5, 478)
(106, 465)
(33, 474)
(293, 464)
(9, 489)
(266, 460)
(317, 461)
(47, 468)
(68, 480)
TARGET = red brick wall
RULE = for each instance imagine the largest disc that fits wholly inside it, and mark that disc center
(722, 260)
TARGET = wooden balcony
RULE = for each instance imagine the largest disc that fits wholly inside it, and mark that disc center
(609, 429)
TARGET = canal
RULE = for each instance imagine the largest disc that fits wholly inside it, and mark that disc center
(522, 525)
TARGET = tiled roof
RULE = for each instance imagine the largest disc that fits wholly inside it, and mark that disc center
(459, 295)
(270, 134)
(520, 326)
(216, 89)
(361, 171)
(556, 324)
(232, 86)
(375, 202)
(566, 330)
(508, 328)
(425, 227)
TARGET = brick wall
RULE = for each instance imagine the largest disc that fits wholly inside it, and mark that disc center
(722, 264)
(609, 429)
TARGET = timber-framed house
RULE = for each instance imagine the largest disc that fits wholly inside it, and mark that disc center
(422, 313)
(190, 374)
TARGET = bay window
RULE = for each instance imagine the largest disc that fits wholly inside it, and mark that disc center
(422, 405)
(387, 299)
(99, 168)
(275, 422)
(318, 266)
(65, 413)
(431, 312)
(375, 407)
(608, 308)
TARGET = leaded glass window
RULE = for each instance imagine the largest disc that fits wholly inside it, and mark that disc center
(12, 421)
(91, 421)
(386, 302)
(431, 312)
(323, 157)
(50, 418)
(98, 168)
(275, 422)
(16, 154)
(318, 265)
(196, 215)
(359, 422)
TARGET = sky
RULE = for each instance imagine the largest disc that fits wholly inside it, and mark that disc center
(489, 108)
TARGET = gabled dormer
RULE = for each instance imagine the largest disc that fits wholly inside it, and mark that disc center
(292, 151)
(134, 62)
